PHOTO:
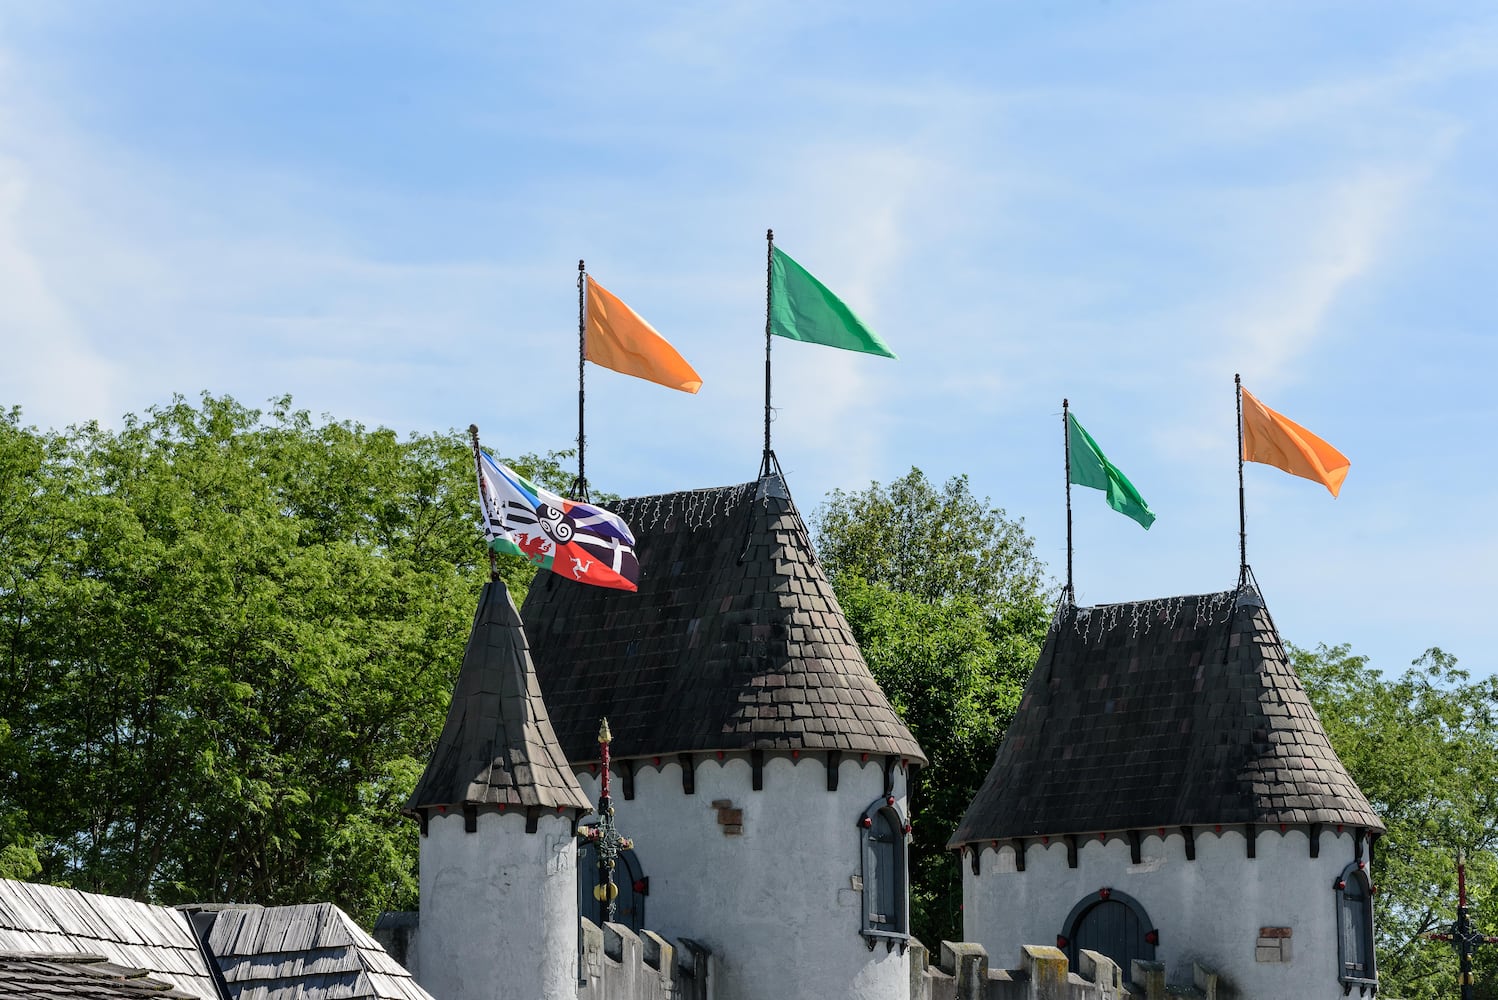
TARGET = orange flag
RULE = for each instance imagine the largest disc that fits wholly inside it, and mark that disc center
(1276, 440)
(618, 338)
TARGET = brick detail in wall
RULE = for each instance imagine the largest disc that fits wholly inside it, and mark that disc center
(729, 818)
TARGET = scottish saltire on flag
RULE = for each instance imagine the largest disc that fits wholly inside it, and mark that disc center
(1274, 439)
(620, 339)
(1090, 467)
(576, 540)
(804, 309)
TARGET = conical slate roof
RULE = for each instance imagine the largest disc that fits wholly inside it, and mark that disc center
(497, 747)
(1176, 712)
(734, 641)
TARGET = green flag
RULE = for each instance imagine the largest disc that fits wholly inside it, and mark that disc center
(801, 308)
(1090, 467)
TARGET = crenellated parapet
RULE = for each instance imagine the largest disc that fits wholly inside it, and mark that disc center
(615, 963)
(961, 972)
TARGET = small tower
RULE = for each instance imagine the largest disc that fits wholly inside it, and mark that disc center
(498, 807)
(756, 763)
(1166, 793)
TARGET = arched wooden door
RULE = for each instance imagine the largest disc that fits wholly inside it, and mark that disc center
(633, 888)
(1112, 923)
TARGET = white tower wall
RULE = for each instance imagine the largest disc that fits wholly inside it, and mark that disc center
(499, 916)
(1209, 910)
(777, 903)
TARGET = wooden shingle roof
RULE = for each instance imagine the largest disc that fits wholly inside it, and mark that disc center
(734, 641)
(1176, 712)
(497, 747)
(78, 977)
(51, 920)
(309, 952)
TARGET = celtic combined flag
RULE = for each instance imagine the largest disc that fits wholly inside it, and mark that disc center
(576, 540)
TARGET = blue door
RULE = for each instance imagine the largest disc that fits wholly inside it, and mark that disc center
(1115, 926)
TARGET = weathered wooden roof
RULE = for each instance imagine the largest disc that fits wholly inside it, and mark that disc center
(78, 977)
(1184, 711)
(49, 920)
(310, 952)
(497, 747)
(734, 641)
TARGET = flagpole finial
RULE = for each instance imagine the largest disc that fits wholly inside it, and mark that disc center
(580, 265)
(473, 429)
(770, 235)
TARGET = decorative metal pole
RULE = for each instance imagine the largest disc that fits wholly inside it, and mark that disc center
(605, 835)
(1071, 593)
(765, 463)
(1242, 523)
(580, 488)
(1461, 935)
(478, 466)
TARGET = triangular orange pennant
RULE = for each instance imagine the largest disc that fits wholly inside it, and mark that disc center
(618, 338)
(1274, 439)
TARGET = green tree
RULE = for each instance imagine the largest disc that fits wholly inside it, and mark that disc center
(1424, 749)
(230, 640)
(928, 543)
(944, 596)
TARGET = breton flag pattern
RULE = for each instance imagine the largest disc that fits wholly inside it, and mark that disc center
(576, 540)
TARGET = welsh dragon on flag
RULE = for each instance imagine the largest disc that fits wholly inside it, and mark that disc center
(577, 540)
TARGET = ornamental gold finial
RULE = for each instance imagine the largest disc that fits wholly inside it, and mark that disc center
(603, 730)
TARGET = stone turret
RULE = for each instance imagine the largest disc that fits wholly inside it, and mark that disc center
(757, 765)
(1167, 793)
(498, 806)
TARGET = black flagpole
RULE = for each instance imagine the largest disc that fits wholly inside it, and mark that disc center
(580, 488)
(1071, 593)
(1242, 523)
(478, 467)
(769, 457)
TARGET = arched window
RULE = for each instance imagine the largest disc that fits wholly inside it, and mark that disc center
(885, 883)
(1111, 923)
(1355, 964)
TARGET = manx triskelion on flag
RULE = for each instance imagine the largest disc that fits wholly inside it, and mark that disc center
(573, 539)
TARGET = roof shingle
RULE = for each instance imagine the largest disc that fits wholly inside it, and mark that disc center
(309, 952)
(47, 919)
(734, 640)
(497, 747)
(1176, 712)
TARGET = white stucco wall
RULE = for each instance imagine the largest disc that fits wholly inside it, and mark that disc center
(1208, 910)
(776, 904)
(498, 908)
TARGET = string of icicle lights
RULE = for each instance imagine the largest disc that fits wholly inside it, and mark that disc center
(695, 508)
(1210, 609)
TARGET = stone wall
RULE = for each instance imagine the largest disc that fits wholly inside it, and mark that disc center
(771, 880)
(617, 964)
(962, 973)
(1211, 900)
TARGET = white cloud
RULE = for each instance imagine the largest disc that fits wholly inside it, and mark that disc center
(46, 362)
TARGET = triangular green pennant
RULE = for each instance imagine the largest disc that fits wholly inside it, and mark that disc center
(1090, 467)
(802, 308)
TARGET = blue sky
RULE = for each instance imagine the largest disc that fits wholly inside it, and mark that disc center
(379, 207)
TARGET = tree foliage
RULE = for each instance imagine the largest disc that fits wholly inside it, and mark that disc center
(1424, 749)
(944, 596)
(228, 640)
(931, 544)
